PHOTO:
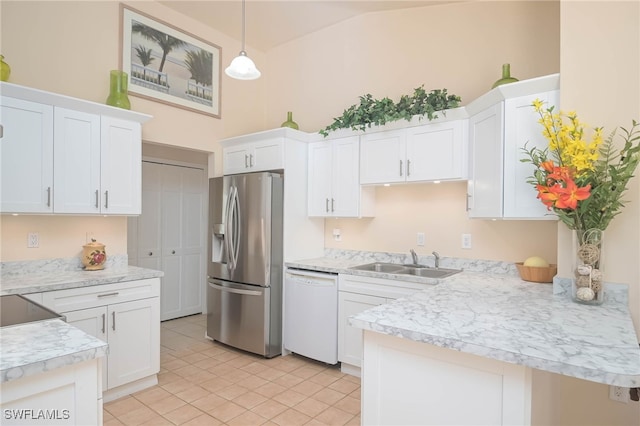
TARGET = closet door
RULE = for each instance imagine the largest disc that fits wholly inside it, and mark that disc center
(148, 223)
(183, 236)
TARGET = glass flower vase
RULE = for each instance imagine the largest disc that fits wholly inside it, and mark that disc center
(587, 285)
(118, 86)
(290, 123)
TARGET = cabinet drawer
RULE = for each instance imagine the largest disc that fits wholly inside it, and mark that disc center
(390, 289)
(100, 295)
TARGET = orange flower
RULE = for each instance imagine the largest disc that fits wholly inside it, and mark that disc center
(547, 195)
(561, 174)
(570, 195)
(548, 166)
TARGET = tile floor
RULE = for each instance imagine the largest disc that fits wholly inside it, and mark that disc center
(205, 383)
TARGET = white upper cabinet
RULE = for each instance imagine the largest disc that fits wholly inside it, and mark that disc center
(65, 155)
(259, 156)
(26, 156)
(430, 152)
(76, 162)
(437, 151)
(334, 181)
(500, 124)
(383, 157)
(120, 166)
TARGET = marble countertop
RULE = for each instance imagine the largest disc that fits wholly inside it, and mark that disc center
(27, 282)
(36, 347)
(487, 310)
(507, 319)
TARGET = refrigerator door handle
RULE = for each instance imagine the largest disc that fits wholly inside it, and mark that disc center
(229, 231)
(233, 228)
(235, 290)
(235, 240)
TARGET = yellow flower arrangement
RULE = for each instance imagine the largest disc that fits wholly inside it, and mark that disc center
(580, 176)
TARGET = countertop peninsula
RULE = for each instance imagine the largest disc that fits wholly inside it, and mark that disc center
(502, 317)
(36, 347)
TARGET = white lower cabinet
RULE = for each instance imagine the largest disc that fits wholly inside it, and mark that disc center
(415, 383)
(350, 338)
(126, 316)
(69, 395)
(357, 294)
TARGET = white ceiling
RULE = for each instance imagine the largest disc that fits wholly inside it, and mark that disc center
(271, 23)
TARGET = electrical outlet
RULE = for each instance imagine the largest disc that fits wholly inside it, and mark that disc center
(420, 239)
(33, 240)
(336, 234)
(618, 393)
(466, 241)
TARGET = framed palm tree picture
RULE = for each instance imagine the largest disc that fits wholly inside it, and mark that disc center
(168, 65)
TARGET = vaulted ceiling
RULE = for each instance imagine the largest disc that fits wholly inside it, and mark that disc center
(271, 23)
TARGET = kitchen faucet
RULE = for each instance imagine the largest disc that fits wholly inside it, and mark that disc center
(437, 256)
(414, 256)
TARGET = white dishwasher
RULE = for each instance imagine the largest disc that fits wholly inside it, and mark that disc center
(311, 314)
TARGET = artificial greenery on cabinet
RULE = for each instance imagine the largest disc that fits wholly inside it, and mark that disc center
(371, 111)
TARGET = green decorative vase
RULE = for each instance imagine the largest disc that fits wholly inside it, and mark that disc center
(5, 69)
(118, 90)
(506, 76)
(290, 123)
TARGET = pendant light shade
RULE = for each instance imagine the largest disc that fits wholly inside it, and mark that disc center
(242, 67)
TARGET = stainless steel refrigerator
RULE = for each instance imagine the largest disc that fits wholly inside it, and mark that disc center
(244, 288)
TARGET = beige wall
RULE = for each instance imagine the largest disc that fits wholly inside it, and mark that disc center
(69, 48)
(460, 47)
(587, 58)
(439, 211)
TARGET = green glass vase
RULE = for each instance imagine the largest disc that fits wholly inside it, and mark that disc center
(290, 123)
(506, 76)
(118, 90)
(5, 69)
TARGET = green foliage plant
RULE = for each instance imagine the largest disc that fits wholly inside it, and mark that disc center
(371, 111)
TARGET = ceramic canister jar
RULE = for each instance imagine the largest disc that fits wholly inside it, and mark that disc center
(93, 256)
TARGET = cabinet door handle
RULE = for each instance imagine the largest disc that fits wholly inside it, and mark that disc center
(115, 293)
(113, 323)
(48, 196)
(246, 161)
(326, 205)
(104, 322)
(332, 203)
(251, 160)
(150, 253)
(400, 167)
(408, 168)
(1, 131)
(173, 252)
(106, 199)
(97, 201)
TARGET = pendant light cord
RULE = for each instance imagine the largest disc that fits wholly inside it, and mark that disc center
(243, 20)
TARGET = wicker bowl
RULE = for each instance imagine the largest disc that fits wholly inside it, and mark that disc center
(537, 274)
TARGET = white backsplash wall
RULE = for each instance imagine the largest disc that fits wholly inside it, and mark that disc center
(439, 211)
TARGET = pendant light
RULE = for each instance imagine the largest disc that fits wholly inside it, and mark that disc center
(242, 67)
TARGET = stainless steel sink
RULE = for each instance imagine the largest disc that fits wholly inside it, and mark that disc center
(389, 268)
(430, 272)
(408, 269)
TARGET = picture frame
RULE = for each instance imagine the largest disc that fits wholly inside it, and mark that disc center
(168, 65)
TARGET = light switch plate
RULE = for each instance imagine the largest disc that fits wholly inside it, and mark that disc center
(420, 239)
